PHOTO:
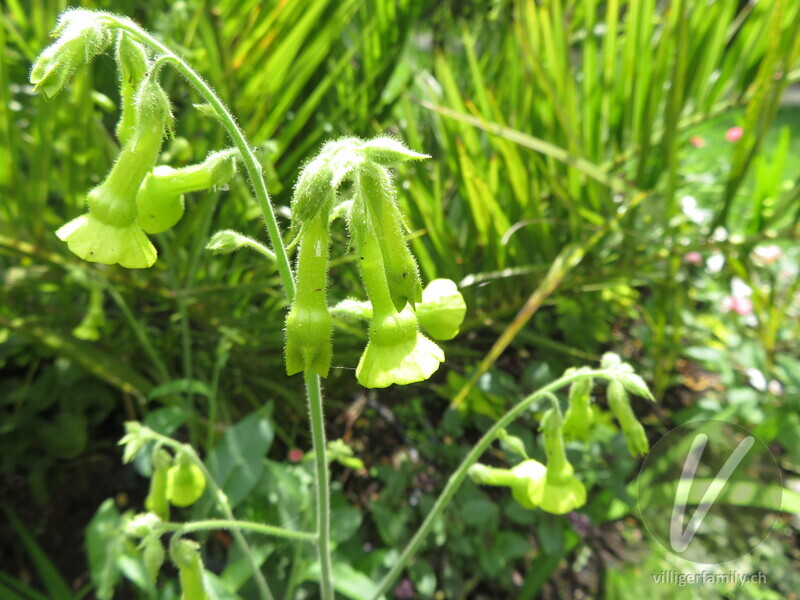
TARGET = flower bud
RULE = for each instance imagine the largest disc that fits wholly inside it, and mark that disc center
(133, 441)
(227, 241)
(512, 443)
(381, 210)
(386, 151)
(186, 556)
(314, 190)
(143, 525)
(156, 501)
(81, 35)
(186, 482)
(442, 309)
(133, 64)
(580, 414)
(153, 555)
(619, 403)
(308, 324)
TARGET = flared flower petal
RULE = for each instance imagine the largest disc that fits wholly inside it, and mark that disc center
(95, 241)
(562, 496)
(397, 353)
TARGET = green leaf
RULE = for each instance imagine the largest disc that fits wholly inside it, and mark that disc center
(13, 589)
(238, 461)
(480, 513)
(180, 386)
(347, 581)
(104, 545)
(345, 519)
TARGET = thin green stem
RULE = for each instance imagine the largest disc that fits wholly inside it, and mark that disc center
(229, 123)
(215, 524)
(222, 501)
(323, 491)
(457, 478)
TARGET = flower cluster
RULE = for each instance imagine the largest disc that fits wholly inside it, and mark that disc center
(137, 197)
(397, 351)
(554, 487)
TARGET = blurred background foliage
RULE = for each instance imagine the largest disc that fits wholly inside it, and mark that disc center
(602, 173)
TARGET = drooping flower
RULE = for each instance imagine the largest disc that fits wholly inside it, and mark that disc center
(109, 232)
(397, 352)
(561, 491)
(160, 202)
(442, 309)
(525, 480)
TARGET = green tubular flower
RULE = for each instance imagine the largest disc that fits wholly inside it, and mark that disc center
(440, 313)
(308, 324)
(580, 413)
(562, 492)
(619, 403)
(185, 482)
(442, 309)
(159, 201)
(109, 233)
(156, 501)
(81, 35)
(94, 320)
(133, 64)
(186, 556)
(396, 352)
(402, 272)
(525, 480)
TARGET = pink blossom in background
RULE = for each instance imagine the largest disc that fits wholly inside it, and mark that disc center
(734, 134)
(697, 141)
(738, 304)
(693, 258)
(295, 455)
